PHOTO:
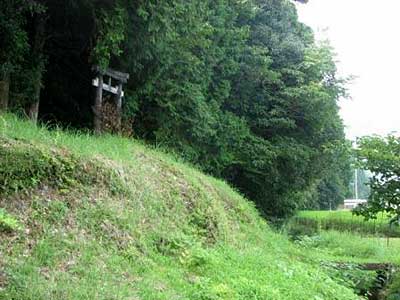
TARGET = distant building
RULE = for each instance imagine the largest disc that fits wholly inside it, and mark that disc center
(353, 203)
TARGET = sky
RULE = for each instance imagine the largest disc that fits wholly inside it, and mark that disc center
(366, 37)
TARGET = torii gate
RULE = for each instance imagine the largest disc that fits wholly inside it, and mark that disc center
(101, 84)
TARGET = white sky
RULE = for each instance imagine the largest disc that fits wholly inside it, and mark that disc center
(366, 38)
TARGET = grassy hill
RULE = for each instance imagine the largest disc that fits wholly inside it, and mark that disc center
(84, 217)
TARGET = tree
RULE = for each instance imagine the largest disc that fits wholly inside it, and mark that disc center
(14, 42)
(239, 88)
(381, 156)
(333, 187)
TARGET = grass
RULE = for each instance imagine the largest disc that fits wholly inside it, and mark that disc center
(393, 292)
(314, 221)
(350, 251)
(352, 244)
(108, 218)
(348, 247)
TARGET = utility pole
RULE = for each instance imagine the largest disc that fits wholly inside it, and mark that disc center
(356, 183)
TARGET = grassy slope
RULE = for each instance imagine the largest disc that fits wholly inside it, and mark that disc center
(108, 218)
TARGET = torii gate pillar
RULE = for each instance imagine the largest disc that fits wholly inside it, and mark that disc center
(112, 75)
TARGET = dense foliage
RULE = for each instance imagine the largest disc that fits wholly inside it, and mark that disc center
(382, 157)
(239, 88)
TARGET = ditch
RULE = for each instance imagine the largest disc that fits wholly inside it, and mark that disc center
(370, 280)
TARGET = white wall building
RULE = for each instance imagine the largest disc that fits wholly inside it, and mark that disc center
(353, 203)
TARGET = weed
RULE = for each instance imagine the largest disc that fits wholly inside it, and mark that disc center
(8, 223)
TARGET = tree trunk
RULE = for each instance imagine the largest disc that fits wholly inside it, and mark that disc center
(4, 93)
(38, 64)
(33, 111)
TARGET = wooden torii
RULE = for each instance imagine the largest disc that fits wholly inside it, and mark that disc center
(104, 82)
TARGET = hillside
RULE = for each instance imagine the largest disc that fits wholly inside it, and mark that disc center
(85, 217)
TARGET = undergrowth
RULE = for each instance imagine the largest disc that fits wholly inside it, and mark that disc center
(393, 292)
(8, 223)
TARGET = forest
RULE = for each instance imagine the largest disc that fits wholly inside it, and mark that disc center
(240, 89)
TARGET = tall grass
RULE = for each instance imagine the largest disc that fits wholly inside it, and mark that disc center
(314, 221)
(79, 142)
(350, 247)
